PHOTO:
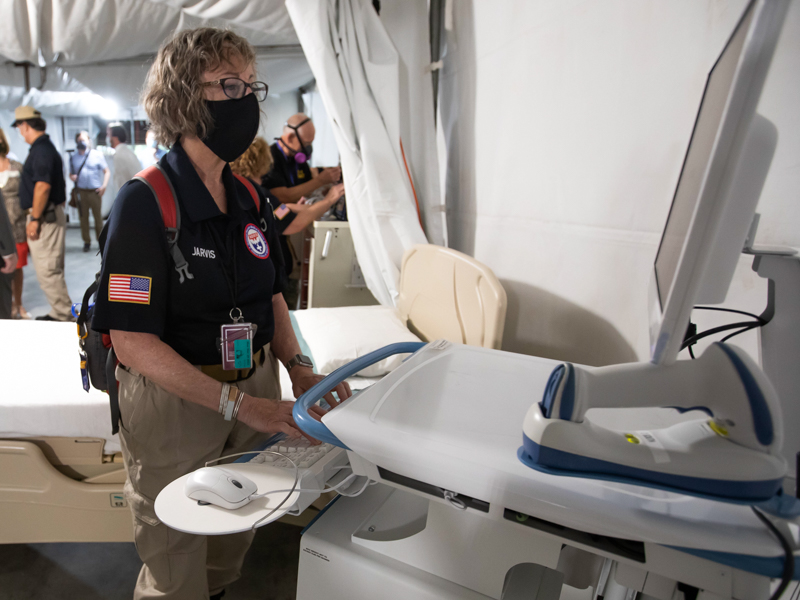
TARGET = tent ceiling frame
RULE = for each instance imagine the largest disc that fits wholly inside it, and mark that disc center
(26, 67)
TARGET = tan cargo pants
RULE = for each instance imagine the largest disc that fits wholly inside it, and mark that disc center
(90, 200)
(47, 254)
(164, 437)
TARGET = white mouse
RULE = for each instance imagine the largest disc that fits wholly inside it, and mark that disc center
(220, 487)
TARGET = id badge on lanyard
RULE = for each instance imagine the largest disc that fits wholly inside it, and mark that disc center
(237, 343)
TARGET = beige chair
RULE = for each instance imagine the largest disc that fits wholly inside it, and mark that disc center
(447, 294)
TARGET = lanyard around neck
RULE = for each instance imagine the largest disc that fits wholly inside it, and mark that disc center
(231, 280)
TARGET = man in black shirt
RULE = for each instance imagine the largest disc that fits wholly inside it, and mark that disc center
(42, 191)
(291, 177)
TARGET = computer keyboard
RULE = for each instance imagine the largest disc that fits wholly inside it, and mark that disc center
(301, 451)
(318, 465)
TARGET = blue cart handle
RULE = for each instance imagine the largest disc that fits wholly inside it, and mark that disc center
(319, 430)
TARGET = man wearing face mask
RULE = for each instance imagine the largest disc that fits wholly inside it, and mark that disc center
(90, 173)
(183, 402)
(291, 176)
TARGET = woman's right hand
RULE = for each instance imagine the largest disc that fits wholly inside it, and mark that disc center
(273, 416)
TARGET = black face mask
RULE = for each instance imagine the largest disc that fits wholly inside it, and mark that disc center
(81, 145)
(234, 126)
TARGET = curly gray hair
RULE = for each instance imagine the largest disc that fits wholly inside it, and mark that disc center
(173, 97)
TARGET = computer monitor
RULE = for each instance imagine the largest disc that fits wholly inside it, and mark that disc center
(723, 172)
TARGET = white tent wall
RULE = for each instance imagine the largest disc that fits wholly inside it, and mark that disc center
(407, 25)
(274, 112)
(566, 125)
(326, 153)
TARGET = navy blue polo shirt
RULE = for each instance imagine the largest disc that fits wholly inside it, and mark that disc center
(283, 218)
(43, 164)
(234, 264)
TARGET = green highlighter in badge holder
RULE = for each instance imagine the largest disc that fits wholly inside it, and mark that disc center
(237, 344)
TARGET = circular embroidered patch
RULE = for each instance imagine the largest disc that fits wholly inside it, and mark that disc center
(255, 241)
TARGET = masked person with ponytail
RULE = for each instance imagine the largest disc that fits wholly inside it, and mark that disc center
(202, 99)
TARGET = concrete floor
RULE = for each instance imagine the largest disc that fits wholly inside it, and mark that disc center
(80, 269)
(108, 571)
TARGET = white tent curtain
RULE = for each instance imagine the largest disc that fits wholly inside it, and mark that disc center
(107, 46)
(357, 69)
(74, 32)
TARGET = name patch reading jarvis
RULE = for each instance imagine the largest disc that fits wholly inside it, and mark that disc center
(203, 253)
(255, 241)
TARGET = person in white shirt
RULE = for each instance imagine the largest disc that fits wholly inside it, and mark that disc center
(126, 165)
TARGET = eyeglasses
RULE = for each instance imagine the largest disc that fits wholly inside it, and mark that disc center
(235, 88)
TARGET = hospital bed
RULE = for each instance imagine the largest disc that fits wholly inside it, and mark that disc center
(443, 294)
(61, 471)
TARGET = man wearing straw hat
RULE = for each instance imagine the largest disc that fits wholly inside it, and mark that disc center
(42, 191)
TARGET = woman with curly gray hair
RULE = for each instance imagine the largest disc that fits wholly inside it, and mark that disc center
(196, 316)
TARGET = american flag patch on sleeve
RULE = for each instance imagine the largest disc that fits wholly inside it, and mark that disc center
(281, 212)
(129, 288)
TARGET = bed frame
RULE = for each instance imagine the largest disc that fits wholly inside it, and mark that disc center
(59, 489)
(62, 489)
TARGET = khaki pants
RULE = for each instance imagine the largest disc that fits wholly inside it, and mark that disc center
(164, 437)
(48, 259)
(90, 200)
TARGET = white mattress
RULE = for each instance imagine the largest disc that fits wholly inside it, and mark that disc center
(40, 387)
(356, 383)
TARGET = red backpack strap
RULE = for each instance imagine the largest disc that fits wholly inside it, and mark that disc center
(158, 182)
(250, 188)
(154, 178)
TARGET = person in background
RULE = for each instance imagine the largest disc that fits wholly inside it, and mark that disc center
(126, 165)
(154, 151)
(89, 171)
(254, 164)
(8, 261)
(9, 184)
(291, 177)
(43, 193)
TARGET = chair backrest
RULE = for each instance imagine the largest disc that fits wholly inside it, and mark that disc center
(447, 294)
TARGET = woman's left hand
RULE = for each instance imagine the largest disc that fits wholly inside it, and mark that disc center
(303, 379)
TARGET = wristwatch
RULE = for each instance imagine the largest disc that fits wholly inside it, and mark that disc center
(36, 219)
(299, 359)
